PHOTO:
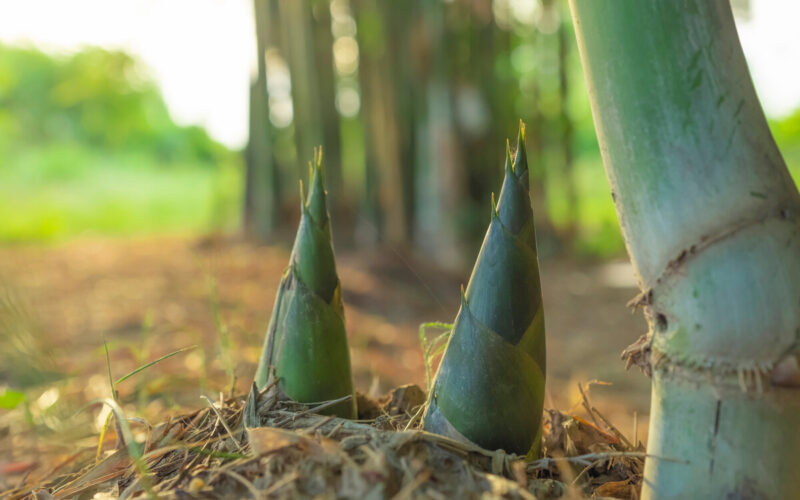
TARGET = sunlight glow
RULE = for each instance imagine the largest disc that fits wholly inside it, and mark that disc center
(202, 52)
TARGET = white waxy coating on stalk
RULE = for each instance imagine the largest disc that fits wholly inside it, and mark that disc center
(711, 220)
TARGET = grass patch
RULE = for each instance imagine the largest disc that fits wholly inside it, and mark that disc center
(64, 190)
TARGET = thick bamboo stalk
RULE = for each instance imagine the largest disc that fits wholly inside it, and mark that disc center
(710, 219)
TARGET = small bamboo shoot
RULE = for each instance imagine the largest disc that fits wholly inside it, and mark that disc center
(306, 340)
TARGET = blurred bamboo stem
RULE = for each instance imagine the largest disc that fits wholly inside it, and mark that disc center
(261, 187)
(297, 42)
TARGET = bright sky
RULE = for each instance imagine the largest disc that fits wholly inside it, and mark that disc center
(201, 52)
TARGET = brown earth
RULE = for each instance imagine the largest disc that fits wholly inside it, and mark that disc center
(149, 297)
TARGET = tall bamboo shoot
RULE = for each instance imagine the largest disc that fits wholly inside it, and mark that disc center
(489, 389)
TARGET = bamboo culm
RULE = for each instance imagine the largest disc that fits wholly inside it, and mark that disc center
(709, 214)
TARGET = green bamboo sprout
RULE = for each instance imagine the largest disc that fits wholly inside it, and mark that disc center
(306, 345)
(489, 389)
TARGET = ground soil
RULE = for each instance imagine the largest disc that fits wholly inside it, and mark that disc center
(150, 296)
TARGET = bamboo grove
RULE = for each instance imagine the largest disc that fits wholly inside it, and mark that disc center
(409, 100)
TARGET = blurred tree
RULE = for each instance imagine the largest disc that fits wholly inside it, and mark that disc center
(440, 168)
(307, 42)
(96, 97)
(262, 193)
(439, 82)
(386, 109)
(570, 188)
(325, 86)
(297, 44)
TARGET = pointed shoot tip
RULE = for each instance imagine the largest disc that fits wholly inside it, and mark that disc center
(521, 157)
(509, 165)
(317, 169)
(302, 197)
(463, 296)
(318, 156)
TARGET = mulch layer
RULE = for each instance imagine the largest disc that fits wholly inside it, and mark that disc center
(263, 445)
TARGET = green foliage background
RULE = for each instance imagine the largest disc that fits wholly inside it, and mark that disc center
(87, 147)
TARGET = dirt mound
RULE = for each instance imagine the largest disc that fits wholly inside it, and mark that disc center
(217, 452)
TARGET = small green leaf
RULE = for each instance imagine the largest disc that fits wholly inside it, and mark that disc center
(148, 365)
(429, 350)
(10, 399)
(108, 367)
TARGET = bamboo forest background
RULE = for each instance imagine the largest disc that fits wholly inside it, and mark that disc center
(412, 102)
